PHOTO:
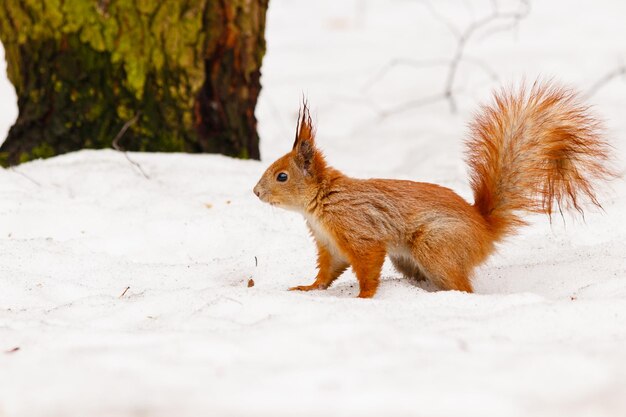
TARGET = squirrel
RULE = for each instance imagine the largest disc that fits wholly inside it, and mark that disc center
(530, 150)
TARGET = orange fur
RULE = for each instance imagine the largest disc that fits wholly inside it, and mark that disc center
(528, 151)
(531, 150)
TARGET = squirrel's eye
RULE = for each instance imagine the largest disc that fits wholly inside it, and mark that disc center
(281, 177)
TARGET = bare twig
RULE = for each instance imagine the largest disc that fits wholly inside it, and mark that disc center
(124, 292)
(494, 22)
(605, 79)
(117, 147)
(13, 169)
(441, 18)
(412, 104)
(396, 62)
(127, 125)
(469, 32)
(523, 11)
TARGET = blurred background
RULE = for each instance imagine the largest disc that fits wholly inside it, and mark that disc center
(376, 73)
(409, 73)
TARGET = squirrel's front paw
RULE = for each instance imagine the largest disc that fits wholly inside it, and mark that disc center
(306, 287)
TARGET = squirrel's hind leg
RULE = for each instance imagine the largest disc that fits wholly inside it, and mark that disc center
(442, 266)
(408, 267)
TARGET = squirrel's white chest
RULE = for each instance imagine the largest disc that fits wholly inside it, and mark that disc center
(322, 236)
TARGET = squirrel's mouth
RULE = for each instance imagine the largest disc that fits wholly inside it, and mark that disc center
(263, 198)
(266, 199)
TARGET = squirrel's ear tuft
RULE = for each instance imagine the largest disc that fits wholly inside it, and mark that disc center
(304, 145)
(305, 132)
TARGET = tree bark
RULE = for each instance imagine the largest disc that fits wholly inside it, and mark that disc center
(187, 71)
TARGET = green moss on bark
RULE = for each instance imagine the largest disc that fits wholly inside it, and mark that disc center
(83, 68)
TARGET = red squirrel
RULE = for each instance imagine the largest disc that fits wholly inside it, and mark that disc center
(531, 150)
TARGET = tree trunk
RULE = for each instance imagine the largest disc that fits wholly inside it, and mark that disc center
(182, 75)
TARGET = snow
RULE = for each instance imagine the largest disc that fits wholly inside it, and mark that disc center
(8, 99)
(129, 296)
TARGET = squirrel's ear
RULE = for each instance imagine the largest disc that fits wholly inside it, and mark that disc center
(304, 145)
(304, 128)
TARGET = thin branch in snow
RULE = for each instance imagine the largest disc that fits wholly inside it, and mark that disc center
(124, 292)
(13, 169)
(117, 147)
(605, 79)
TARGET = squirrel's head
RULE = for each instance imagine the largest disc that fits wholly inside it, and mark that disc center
(292, 181)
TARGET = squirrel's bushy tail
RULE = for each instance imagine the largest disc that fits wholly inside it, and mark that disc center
(532, 150)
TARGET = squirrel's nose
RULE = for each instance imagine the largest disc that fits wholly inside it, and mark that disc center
(256, 191)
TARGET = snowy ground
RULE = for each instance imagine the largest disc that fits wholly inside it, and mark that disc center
(126, 296)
